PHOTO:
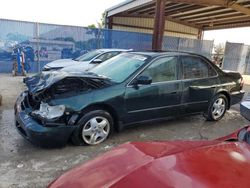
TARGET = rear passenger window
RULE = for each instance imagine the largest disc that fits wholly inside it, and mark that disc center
(195, 67)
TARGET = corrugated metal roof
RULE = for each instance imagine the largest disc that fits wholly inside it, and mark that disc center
(203, 14)
(126, 6)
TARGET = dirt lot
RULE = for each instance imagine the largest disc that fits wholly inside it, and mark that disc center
(24, 165)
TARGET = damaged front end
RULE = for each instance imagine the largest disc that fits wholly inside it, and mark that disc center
(40, 120)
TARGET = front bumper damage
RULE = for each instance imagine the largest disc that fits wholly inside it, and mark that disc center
(50, 135)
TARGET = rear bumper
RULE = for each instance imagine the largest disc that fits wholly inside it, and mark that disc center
(236, 97)
(37, 133)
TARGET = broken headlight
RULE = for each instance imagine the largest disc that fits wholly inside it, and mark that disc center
(49, 112)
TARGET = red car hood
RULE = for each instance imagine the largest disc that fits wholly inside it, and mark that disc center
(165, 164)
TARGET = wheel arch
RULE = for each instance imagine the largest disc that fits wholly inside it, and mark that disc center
(226, 93)
(105, 107)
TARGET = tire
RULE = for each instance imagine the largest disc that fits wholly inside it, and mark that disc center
(93, 128)
(217, 108)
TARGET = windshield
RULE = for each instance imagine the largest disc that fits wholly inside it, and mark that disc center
(120, 67)
(88, 56)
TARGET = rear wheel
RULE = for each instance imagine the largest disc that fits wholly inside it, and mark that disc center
(94, 127)
(217, 108)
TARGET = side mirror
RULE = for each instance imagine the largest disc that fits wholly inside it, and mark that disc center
(97, 61)
(143, 80)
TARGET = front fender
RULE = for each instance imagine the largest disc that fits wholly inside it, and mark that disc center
(75, 103)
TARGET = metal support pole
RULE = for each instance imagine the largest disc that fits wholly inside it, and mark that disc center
(159, 25)
(110, 23)
(38, 47)
(110, 32)
(200, 34)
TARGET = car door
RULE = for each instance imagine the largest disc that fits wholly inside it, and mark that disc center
(199, 81)
(159, 99)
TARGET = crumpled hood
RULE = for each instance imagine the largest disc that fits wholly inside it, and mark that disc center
(78, 69)
(45, 80)
(64, 63)
(164, 164)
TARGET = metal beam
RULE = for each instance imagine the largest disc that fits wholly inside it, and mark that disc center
(203, 2)
(182, 8)
(159, 25)
(195, 11)
(227, 22)
(223, 3)
(224, 15)
(140, 8)
(146, 10)
(240, 8)
(168, 18)
(226, 26)
(206, 13)
(222, 20)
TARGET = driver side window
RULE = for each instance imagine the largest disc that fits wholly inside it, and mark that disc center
(162, 70)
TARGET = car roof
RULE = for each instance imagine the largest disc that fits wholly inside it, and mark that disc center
(153, 54)
(113, 50)
(147, 52)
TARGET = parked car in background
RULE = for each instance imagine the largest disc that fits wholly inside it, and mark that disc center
(224, 162)
(245, 108)
(86, 61)
(67, 53)
(133, 87)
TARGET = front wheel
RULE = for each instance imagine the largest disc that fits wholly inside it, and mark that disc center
(94, 127)
(217, 108)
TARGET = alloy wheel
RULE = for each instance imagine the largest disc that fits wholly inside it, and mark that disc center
(218, 108)
(96, 130)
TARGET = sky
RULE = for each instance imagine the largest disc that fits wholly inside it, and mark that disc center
(65, 12)
(237, 35)
(87, 12)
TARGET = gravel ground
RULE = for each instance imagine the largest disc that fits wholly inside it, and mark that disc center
(24, 165)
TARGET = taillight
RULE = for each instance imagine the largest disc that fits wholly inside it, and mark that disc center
(241, 83)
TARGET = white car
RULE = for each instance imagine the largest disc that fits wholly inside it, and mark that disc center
(86, 61)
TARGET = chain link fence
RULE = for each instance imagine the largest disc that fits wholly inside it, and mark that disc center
(202, 47)
(43, 43)
(237, 58)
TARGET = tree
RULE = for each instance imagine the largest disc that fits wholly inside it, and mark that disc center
(97, 30)
(218, 54)
(92, 26)
(219, 49)
(99, 24)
